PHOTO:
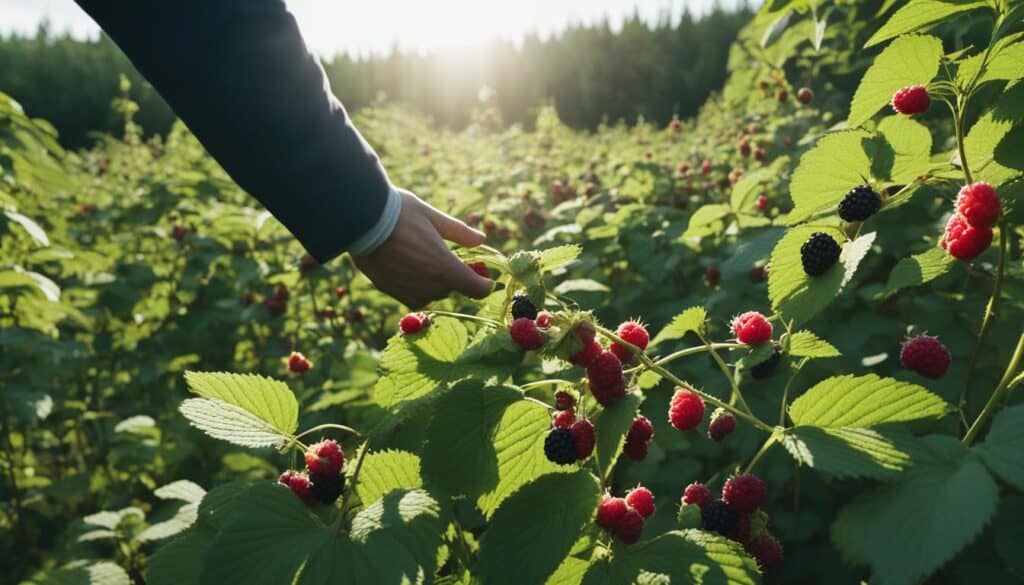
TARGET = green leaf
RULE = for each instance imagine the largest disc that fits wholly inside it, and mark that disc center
(413, 366)
(705, 216)
(386, 471)
(1009, 152)
(559, 256)
(31, 228)
(231, 423)
(826, 172)
(980, 146)
(516, 548)
(692, 319)
(183, 490)
(908, 150)
(580, 285)
(85, 573)
(181, 521)
(865, 401)
(919, 269)
(179, 561)
(910, 60)
(908, 530)
(611, 425)
(918, 15)
(679, 556)
(1003, 449)
(747, 188)
(404, 523)
(807, 344)
(850, 452)
(267, 399)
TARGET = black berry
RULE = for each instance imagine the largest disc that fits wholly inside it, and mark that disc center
(765, 368)
(859, 204)
(559, 447)
(819, 253)
(522, 307)
(327, 488)
(719, 517)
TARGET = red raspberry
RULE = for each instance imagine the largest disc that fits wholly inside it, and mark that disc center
(584, 437)
(544, 320)
(610, 511)
(697, 494)
(632, 332)
(641, 431)
(564, 400)
(179, 232)
(480, 268)
(563, 419)
(298, 363)
(911, 100)
(355, 315)
(642, 500)
(686, 410)
(723, 423)
(587, 355)
(762, 203)
(635, 450)
(325, 458)
(758, 274)
(751, 328)
(766, 551)
(979, 204)
(328, 313)
(742, 531)
(705, 166)
(281, 292)
(744, 492)
(341, 291)
(630, 526)
(805, 95)
(926, 355)
(605, 377)
(524, 332)
(963, 241)
(759, 154)
(585, 332)
(413, 323)
(307, 263)
(782, 96)
(713, 275)
(299, 484)
(745, 147)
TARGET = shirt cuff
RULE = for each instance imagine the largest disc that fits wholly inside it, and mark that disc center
(381, 230)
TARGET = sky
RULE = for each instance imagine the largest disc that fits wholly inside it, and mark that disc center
(333, 26)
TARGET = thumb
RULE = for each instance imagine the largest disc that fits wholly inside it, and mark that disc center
(454, 230)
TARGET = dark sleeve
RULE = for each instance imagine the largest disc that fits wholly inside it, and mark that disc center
(239, 75)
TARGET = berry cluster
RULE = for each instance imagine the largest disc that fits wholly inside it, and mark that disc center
(637, 438)
(737, 515)
(925, 355)
(569, 440)
(624, 517)
(323, 480)
(524, 329)
(969, 230)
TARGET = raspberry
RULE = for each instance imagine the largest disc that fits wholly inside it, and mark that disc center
(758, 274)
(584, 437)
(299, 484)
(764, 369)
(563, 419)
(275, 306)
(819, 253)
(762, 203)
(686, 410)
(543, 320)
(745, 492)
(327, 488)
(328, 313)
(355, 315)
(341, 291)
(413, 323)
(751, 328)
(963, 241)
(697, 494)
(610, 511)
(782, 96)
(522, 307)
(705, 166)
(713, 275)
(642, 500)
(925, 355)
(587, 355)
(179, 232)
(630, 526)
(722, 425)
(634, 333)
(564, 400)
(742, 531)
(859, 203)
(759, 154)
(805, 95)
(641, 430)
(524, 332)
(745, 148)
(635, 450)
(307, 263)
(585, 332)
(325, 458)
(979, 204)
(911, 100)
(717, 516)
(480, 268)
(281, 292)
(605, 377)
(559, 447)
(298, 363)
(766, 551)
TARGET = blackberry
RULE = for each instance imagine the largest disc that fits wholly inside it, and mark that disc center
(765, 368)
(559, 447)
(819, 253)
(327, 488)
(719, 517)
(522, 306)
(859, 204)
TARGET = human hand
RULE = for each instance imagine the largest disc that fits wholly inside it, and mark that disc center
(414, 266)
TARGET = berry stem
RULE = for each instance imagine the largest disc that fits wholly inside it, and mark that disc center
(328, 426)
(686, 353)
(785, 393)
(997, 395)
(465, 317)
(760, 452)
(351, 487)
(546, 382)
(736, 394)
(986, 320)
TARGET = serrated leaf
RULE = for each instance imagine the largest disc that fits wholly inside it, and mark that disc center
(807, 344)
(679, 556)
(826, 172)
(231, 423)
(705, 216)
(412, 367)
(919, 269)
(183, 490)
(1005, 63)
(85, 573)
(181, 521)
(386, 471)
(516, 548)
(220, 504)
(1003, 449)
(580, 285)
(267, 399)
(907, 530)
(850, 452)
(31, 227)
(909, 60)
(980, 147)
(178, 562)
(908, 150)
(611, 425)
(692, 319)
(559, 256)
(918, 15)
(865, 401)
